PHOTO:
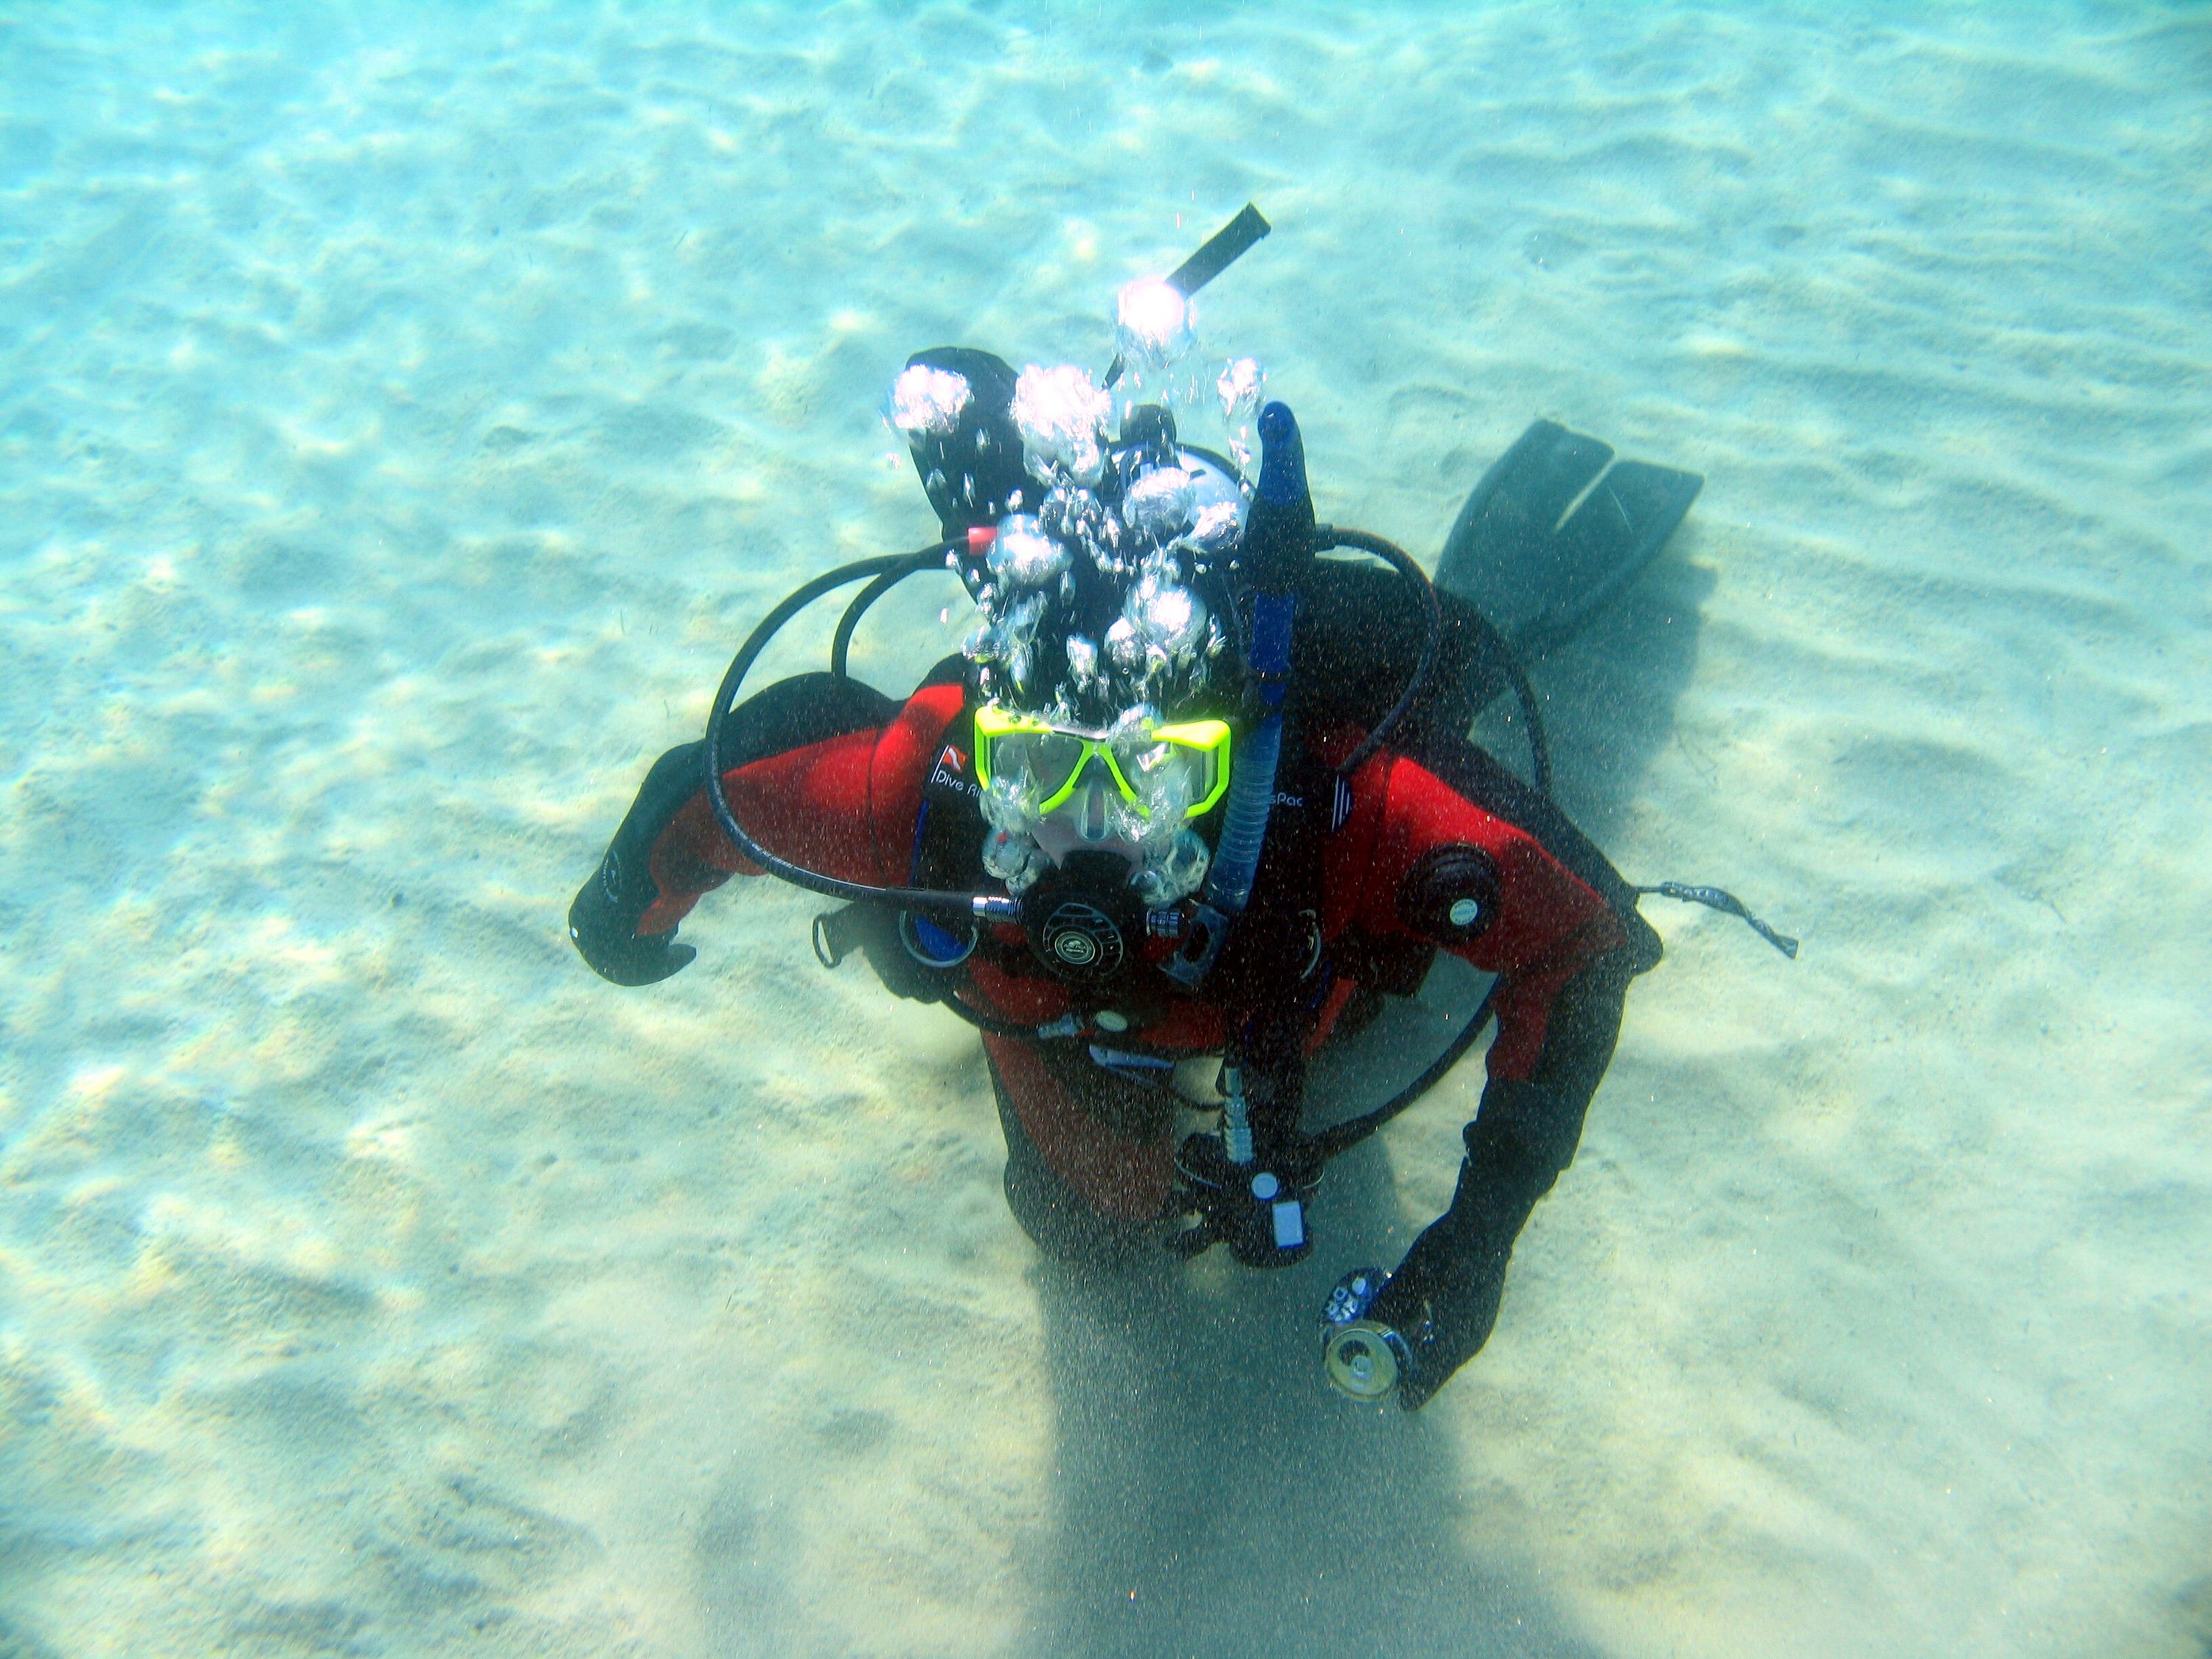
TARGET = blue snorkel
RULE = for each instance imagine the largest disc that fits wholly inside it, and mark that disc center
(1275, 555)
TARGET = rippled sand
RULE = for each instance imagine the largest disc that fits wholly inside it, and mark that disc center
(403, 417)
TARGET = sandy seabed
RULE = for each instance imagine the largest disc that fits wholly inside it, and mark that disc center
(404, 412)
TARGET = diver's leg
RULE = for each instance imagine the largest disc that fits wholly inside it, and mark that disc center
(1090, 1157)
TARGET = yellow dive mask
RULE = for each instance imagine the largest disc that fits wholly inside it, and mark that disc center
(1144, 763)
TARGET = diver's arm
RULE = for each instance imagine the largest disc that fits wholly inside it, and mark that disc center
(605, 920)
(830, 777)
(1443, 869)
(1443, 1298)
(810, 805)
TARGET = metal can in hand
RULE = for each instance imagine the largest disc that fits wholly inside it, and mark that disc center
(1362, 1357)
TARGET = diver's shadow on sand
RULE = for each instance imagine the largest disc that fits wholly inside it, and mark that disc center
(1607, 698)
(1214, 1495)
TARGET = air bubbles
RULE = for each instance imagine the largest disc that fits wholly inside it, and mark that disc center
(1082, 663)
(1123, 648)
(1173, 871)
(928, 402)
(1014, 856)
(1217, 529)
(1163, 627)
(1091, 590)
(1007, 641)
(1023, 556)
(1169, 619)
(1239, 387)
(1061, 415)
(1153, 323)
(1159, 649)
(1020, 629)
(1158, 504)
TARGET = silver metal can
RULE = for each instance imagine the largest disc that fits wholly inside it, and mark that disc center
(1362, 1357)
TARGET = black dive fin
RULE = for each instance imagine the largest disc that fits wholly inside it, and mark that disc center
(1538, 580)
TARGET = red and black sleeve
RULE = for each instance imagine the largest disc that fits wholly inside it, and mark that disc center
(1461, 853)
(803, 753)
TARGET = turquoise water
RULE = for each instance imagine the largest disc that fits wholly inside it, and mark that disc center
(405, 411)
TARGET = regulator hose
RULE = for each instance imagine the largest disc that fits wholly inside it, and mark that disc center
(987, 906)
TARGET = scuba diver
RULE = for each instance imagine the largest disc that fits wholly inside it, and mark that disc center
(1191, 807)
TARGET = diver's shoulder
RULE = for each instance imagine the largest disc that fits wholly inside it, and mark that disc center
(934, 705)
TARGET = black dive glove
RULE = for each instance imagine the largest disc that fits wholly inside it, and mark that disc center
(1443, 1298)
(603, 922)
(1444, 1305)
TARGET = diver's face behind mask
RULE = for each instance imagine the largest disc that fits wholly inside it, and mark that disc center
(1052, 792)
(1087, 822)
